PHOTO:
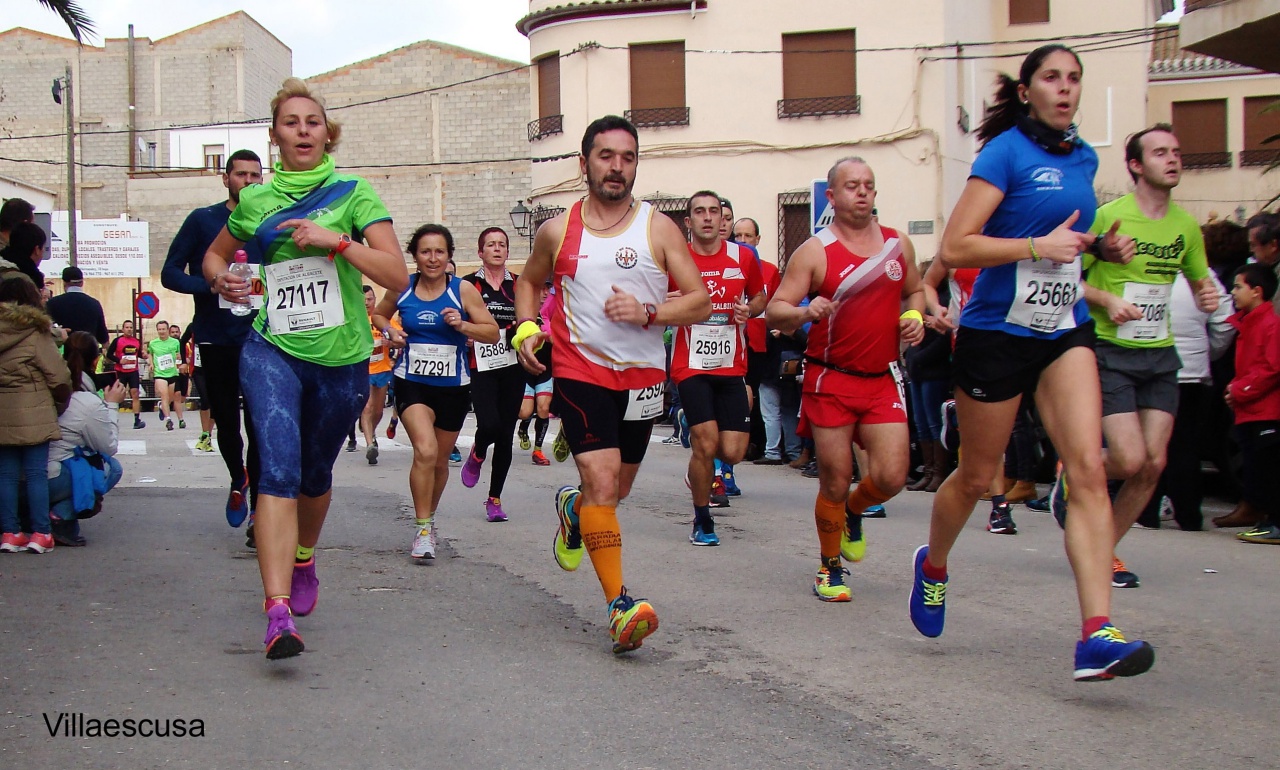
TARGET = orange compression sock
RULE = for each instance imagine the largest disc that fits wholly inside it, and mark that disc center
(603, 539)
(865, 495)
(829, 516)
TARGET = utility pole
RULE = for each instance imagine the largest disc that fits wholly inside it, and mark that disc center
(58, 93)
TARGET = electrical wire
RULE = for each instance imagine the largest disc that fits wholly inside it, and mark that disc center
(1137, 35)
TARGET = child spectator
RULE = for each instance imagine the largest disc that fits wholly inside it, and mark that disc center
(1254, 395)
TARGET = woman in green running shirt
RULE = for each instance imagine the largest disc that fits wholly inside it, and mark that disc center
(304, 370)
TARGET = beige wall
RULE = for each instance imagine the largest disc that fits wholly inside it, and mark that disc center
(1219, 190)
(907, 130)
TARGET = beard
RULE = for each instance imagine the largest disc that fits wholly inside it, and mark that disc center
(597, 188)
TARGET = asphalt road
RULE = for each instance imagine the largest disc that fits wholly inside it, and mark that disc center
(493, 657)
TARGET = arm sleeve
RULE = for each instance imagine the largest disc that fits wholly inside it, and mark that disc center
(994, 166)
(1262, 379)
(367, 207)
(101, 431)
(186, 249)
(51, 366)
(1195, 264)
(101, 334)
(1221, 333)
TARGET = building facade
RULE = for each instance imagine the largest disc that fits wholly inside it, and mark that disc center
(1219, 110)
(755, 99)
(222, 71)
(439, 132)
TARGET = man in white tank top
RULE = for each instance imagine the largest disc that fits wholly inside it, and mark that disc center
(610, 258)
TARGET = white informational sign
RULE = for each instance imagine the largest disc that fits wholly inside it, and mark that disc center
(106, 248)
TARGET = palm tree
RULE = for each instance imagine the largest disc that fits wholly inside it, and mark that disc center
(73, 15)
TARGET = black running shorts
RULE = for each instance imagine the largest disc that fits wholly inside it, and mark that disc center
(591, 416)
(994, 366)
(450, 404)
(719, 397)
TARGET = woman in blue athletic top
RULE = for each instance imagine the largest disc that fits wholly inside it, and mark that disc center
(1024, 218)
(439, 314)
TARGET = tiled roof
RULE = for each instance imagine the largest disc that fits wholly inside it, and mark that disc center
(596, 8)
(1169, 60)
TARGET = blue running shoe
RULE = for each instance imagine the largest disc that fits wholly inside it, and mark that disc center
(684, 428)
(730, 482)
(699, 537)
(455, 456)
(1106, 655)
(875, 512)
(238, 503)
(928, 599)
(1058, 497)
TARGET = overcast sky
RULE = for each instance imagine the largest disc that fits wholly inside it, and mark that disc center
(324, 34)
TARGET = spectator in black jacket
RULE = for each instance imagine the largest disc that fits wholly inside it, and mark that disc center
(76, 311)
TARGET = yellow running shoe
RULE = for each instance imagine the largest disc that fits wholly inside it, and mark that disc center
(829, 584)
(853, 541)
(567, 545)
(630, 621)
(560, 446)
(525, 443)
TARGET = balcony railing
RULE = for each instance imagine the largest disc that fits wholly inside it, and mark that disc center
(1192, 160)
(1259, 157)
(542, 127)
(658, 117)
(817, 107)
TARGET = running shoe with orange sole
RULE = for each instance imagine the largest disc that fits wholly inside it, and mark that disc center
(630, 621)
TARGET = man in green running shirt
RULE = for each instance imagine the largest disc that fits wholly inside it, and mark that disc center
(1137, 363)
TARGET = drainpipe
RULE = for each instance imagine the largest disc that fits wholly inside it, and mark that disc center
(133, 124)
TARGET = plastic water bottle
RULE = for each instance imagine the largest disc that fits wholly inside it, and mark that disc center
(243, 269)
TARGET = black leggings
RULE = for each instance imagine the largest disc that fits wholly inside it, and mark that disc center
(220, 365)
(496, 397)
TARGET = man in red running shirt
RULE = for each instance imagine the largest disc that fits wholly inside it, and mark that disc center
(860, 274)
(709, 360)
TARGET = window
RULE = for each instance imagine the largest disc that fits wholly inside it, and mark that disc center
(273, 156)
(657, 85)
(1202, 132)
(549, 121)
(819, 74)
(675, 209)
(794, 227)
(214, 154)
(1259, 126)
(1028, 11)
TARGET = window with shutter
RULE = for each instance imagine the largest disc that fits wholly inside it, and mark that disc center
(1202, 131)
(550, 120)
(657, 85)
(1028, 11)
(1260, 125)
(819, 74)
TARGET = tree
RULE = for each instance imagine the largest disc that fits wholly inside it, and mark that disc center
(77, 21)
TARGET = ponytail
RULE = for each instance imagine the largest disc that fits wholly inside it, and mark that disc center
(1004, 113)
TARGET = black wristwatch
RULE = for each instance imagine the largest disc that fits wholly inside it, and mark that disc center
(1095, 248)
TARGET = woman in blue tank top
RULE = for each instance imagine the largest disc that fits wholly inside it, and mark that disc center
(1023, 218)
(440, 315)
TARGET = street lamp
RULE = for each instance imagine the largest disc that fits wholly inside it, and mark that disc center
(62, 86)
(521, 218)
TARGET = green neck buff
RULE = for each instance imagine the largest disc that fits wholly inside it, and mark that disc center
(301, 182)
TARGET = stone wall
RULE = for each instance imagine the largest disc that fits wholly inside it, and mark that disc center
(417, 150)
